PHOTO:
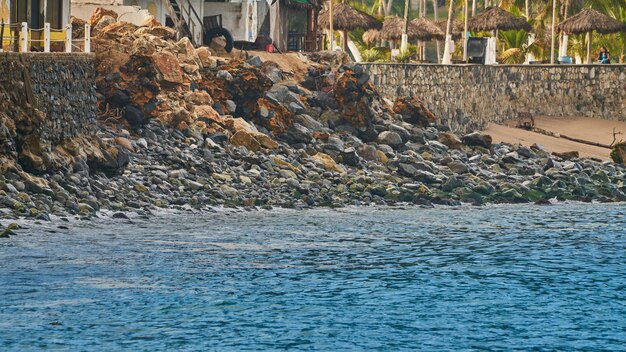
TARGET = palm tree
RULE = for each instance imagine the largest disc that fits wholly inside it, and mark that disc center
(517, 46)
(447, 54)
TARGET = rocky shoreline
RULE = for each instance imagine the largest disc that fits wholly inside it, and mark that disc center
(185, 129)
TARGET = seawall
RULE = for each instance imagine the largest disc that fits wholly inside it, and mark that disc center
(61, 86)
(468, 97)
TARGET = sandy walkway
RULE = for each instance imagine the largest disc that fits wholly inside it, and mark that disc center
(516, 135)
(594, 130)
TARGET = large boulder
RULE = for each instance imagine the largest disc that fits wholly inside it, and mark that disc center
(328, 162)
(297, 134)
(478, 139)
(413, 111)
(99, 13)
(451, 140)
(167, 68)
(392, 139)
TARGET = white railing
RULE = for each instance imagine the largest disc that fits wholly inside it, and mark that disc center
(20, 38)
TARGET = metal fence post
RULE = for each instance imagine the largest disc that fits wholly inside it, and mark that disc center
(24, 41)
(87, 38)
(46, 39)
(68, 38)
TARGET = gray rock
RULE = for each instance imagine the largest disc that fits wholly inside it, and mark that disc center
(368, 152)
(458, 167)
(401, 131)
(451, 184)
(350, 157)
(274, 74)
(297, 134)
(230, 106)
(391, 139)
(255, 61)
(225, 75)
(407, 170)
(309, 122)
(296, 108)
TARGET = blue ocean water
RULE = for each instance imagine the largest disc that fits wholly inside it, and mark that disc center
(489, 278)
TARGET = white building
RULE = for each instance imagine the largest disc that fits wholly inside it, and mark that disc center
(285, 21)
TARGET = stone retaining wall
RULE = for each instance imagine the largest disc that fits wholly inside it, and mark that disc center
(63, 87)
(467, 97)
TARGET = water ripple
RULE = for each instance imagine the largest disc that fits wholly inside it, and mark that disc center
(492, 278)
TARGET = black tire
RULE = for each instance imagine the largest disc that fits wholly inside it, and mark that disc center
(209, 34)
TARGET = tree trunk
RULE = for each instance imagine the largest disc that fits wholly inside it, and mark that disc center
(405, 27)
(553, 32)
(436, 14)
(388, 8)
(473, 7)
(527, 5)
(589, 41)
(466, 15)
(447, 55)
(564, 37)
(330, 23)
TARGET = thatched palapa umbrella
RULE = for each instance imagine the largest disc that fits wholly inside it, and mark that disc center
(419, 28)
(427, 30)
(457, 28)
(346, 18)
(497, 19)
(590, 20)
(393, 28)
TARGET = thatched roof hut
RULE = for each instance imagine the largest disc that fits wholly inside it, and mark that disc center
(590, 20)
(494, 19)
(457, 28)
(347, 18)
(393, 28)
(427, 30)
(419, 28)
(371, 35)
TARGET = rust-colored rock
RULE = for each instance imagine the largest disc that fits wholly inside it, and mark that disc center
(245, 139)
(99, 13)
(124, 143)
(167, 68)
(354, 94)
(328, 162)
(118, 28)
(451, 140)
(207, 112)
(204, 54)
(414, 111)
(278, 118)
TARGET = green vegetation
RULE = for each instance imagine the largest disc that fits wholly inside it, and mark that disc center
(512, 46)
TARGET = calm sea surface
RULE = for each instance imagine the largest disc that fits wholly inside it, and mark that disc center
(490, 278)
